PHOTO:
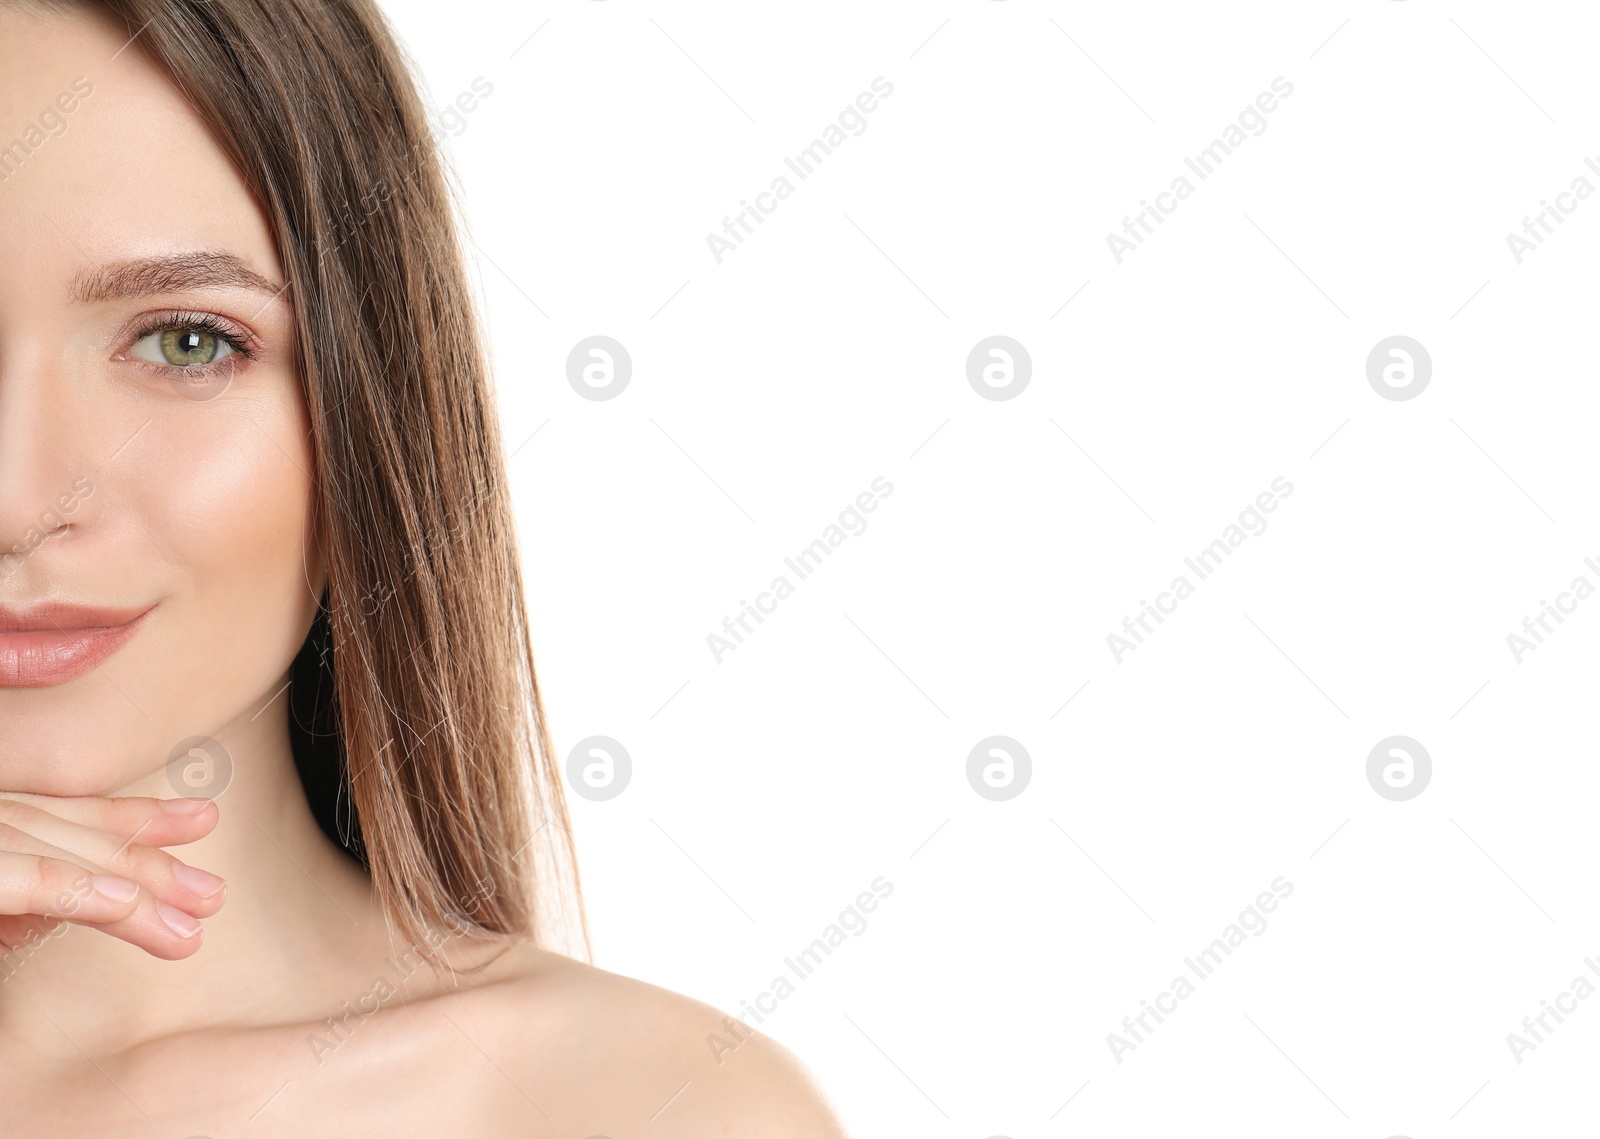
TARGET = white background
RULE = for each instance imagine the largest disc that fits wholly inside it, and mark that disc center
(830, 348)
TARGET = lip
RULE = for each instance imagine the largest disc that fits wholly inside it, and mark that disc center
(46, 645)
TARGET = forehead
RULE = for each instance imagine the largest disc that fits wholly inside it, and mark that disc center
(102, 158)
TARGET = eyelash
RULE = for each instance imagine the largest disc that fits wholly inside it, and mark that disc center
(233, 336)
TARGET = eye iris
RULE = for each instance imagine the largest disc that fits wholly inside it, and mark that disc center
(187, 347)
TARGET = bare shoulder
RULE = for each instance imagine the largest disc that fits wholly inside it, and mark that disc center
(618, 1057)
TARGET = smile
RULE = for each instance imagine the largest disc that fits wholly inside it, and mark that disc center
(53, 644)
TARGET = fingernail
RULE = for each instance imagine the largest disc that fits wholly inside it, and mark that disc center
(117, 889)
(184, 806)
(196, 881)
(179, 922)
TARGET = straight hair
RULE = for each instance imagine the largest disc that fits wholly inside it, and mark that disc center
(415, 716)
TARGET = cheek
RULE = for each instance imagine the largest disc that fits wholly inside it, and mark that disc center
(208, 514)
(221, 497)
(228, 499)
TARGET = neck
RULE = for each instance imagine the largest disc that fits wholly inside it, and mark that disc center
(294, 898)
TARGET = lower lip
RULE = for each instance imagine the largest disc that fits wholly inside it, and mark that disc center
(42, 659)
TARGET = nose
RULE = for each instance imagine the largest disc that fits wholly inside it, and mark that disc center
(44, 480)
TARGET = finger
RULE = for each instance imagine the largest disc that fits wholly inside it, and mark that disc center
(155, 822)
(66, 895)
(160, 929)
(167, 878)
(62, 890)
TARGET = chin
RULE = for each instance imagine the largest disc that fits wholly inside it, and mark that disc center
(41, 756)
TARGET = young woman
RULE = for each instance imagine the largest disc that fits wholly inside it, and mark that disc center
(260, 604)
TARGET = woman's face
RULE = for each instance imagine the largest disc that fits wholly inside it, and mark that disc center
(155, 459)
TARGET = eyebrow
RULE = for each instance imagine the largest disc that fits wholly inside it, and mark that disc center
(180, 273)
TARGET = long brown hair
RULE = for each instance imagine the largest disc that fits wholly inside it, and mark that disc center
(415, 712)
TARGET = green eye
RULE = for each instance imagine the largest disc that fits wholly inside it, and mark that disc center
(189, 347)
(186, 346)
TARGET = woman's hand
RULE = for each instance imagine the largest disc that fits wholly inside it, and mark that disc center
(97, 862)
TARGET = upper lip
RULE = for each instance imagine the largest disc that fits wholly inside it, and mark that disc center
(63, 617)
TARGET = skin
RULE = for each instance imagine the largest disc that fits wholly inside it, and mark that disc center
(203, 507)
